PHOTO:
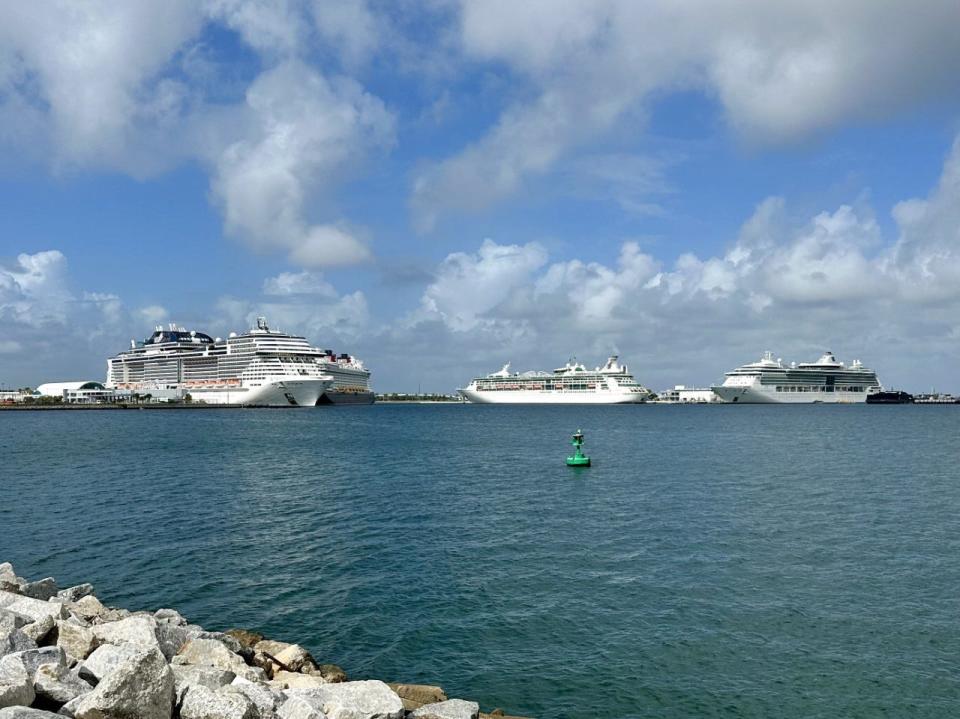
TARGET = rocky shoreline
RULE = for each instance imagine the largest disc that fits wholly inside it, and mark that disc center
(65, 654)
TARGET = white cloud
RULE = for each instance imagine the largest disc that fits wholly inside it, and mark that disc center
(350, 28)
(152, 314)
(302, 131)
(468, 286)
(34, 291)
(298, 283)
(781, 72)
(831, 282)
(87, 77)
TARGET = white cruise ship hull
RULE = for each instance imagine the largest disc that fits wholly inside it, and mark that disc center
(293, 391)
(769, 395)
(548, 397)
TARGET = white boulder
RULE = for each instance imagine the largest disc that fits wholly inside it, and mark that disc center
(140, 687)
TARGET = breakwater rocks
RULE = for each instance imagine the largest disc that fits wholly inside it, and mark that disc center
(63, 653)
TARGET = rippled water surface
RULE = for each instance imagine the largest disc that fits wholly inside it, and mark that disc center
(715, 561)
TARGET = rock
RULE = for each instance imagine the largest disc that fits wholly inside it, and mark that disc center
(75, 593)
(39, 629)
(104, 660)
(42, 589)
(32, 609)
(188, 676)
(140, 631)
(78, 642)
(225, 639)
(268, 646)
(8, 579)
(213, 653)
(140, 687)
(16, 684)
(265, 699)
(416, 695)
(370, 699)
(31, 659)
(170, 616)
(12, 637)
(87, 607)
(292, 680)
(246, 638)
(26, 713)
(331, 672)
(204, 703)
(295, 658)
(301, 707)
(58, 685)
(171, 637)
(449, 709)
(70, 708)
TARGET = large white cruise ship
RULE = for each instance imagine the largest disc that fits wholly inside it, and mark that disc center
(826, 380)
(571, 384)
(262, 366)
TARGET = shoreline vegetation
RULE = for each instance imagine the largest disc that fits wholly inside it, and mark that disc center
(63, 653)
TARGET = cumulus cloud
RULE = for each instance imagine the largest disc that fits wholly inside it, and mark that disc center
(303, 131)
(831, 282)
(86, 79)
(131, 88)
(467, 287)
(781, 72)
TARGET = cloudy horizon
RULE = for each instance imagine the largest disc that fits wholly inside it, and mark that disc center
(441, 187)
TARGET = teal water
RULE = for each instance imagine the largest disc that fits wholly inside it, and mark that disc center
(715, 561)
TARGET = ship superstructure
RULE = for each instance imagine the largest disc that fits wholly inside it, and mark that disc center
(571, 384)
(262, 366)
(770, 381)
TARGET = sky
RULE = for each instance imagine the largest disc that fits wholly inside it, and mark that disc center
(440, 187)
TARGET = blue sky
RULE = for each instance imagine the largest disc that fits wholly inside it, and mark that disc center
(440, 187)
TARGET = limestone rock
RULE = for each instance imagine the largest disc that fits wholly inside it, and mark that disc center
(87, 607)
(268, 646)
(76, 641)
(32, 609)
(188, 676)
(39, 629)
(104, 660)
(26, 713)
(16, 685)
(42, 589)
(331, 672)
(449, 709)
(58, 685)
(70, 708)
(31, 659)
(75, 593)
(171, 638)
(370, 699)
(140, 687)
(295, 659)
(213, 653)
(225, 639)
(12, 637)
(416, 695)
(8, 578)
(204, 703)
(246, 638)
(293, 680)
(170, 616)
(139, 631)
(301, 707)
(265, 699)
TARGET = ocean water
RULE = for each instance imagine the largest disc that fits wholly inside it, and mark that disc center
(734, 561)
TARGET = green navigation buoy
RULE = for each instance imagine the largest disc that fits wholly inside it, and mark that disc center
(579, 459)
